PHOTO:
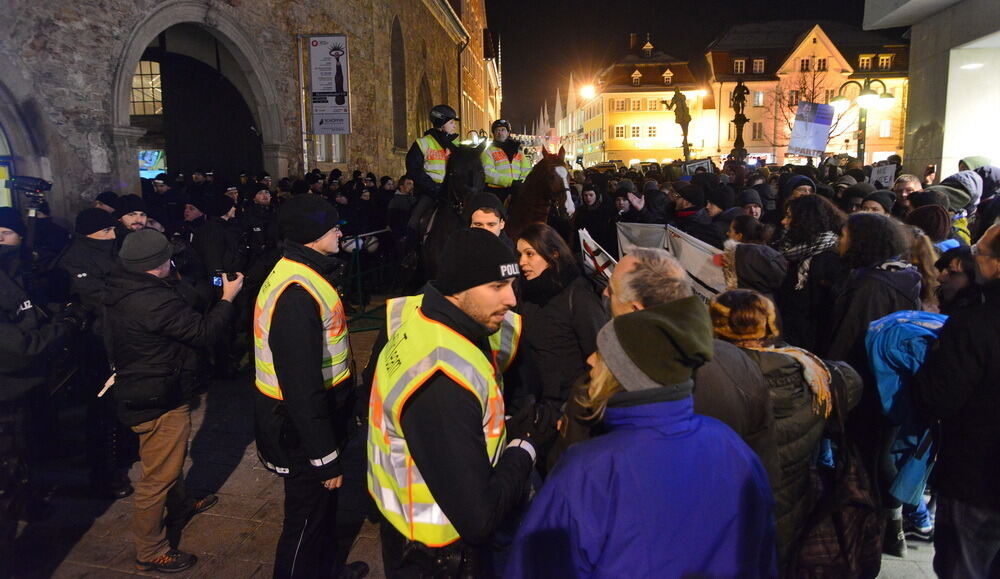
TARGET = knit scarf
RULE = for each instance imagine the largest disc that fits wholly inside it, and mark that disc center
(804, 252)
(815, 371)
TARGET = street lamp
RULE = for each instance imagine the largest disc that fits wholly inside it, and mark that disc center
(588, 92)
(867, 98)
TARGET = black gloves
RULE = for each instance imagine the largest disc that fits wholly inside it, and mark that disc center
(536, 424)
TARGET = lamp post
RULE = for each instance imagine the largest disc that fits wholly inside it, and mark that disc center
(867, 97)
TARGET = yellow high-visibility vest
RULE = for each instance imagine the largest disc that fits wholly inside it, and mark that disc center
(435, 157)
(418, 349)
(504, 342)
(502, 172)
(337, 347)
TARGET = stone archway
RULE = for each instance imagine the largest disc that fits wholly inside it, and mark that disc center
(263, 101)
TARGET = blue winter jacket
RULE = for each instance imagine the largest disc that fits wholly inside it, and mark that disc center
(666, 493)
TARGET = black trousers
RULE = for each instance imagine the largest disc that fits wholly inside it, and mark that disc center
(307, 547)
(478, 561)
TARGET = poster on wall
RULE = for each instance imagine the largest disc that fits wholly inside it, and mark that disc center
(329, 85)
(811, 130)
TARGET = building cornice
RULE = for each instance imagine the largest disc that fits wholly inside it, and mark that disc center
(446, 16)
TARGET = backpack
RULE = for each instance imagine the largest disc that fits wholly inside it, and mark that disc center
(842, 536)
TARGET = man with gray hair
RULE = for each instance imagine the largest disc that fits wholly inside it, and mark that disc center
(730, 387)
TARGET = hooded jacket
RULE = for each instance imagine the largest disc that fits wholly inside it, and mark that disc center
(620, 506)
(153, 338)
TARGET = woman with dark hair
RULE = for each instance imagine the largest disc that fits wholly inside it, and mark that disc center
(597, 217)
(812, 224)
(880, 282)
(936, 223)
(562, 314)
(748, 262)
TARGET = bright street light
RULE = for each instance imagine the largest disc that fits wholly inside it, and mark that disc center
(588, 91)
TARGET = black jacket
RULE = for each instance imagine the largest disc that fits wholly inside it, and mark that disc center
(218, 246)
(805, 313)
(310, 424)
(959, 384)
(87, 263)
(154, 338)
(261, 229)
(443, 423)
(415, 164)
(561, 332)
(656, 209)
(699, 225)
(28, 337)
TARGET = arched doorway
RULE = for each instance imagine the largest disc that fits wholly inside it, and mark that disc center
(218, 42)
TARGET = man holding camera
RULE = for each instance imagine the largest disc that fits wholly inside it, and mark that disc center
(153, 338)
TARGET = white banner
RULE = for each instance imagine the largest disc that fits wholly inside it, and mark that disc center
(597, 262)
(631, 235)
(698, 259)
(329, 85)
(883, 174)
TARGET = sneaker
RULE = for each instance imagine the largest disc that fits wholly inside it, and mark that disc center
(911, 531)
(172, 561)
(175, 523)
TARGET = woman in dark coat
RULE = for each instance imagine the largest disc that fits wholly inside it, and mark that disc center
(562, 313)
(596, 215)
(812, 224)
(880, 282)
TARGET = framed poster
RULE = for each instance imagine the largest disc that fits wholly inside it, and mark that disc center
(329, 93)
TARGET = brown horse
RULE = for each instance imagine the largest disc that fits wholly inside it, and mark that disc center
(543, 197)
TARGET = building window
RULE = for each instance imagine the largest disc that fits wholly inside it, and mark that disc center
(884, 61)
(653, 104)
(758, 66)
(636, 104)
(830, 95)
(758, 131)
(739, 66)
(865, 62)
(885, 128)
(651, 131)
(147, 89)
(793, 98)
(636, 131)
(821, 64)
(668, 77)
(758, 98)
(636, 80)
(804, 65)
(619, 104)
(619, 131)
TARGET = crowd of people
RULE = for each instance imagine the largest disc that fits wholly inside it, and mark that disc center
(770, 432)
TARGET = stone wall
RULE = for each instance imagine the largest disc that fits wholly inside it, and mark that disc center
(67, 66)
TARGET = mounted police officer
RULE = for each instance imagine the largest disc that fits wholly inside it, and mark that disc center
(504, 162)
(427, 158)
(444, 468)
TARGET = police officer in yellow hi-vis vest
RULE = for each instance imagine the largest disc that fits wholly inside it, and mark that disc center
(444, 466)
(504, 163)
(427, 158)
(303, 380)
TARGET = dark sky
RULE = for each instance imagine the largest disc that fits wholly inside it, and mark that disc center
(543, 41)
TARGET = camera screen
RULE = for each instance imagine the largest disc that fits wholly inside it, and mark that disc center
(217, 280)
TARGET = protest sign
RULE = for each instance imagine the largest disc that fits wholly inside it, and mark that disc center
(632, 235)
(811, 130)
(884, 175)
(691, 167)
(597, 262)
(698, 260)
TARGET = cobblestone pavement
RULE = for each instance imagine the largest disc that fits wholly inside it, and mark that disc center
(86, 537)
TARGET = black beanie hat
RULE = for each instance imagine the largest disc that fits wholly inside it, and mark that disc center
(883, 197)
(109, 198)
(749, 197)
(861, 190)
(484, 201)
(144, 250)
(217, 205)
(93, 220)
(472, 257)
(306, 218)
(693, 194)
(722, 197)
(658, 347)
(11, 219)
(128, 204)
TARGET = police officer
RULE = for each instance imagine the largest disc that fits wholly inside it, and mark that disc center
(428, 156)
(303, 384)
(504, 162)
(441, 467)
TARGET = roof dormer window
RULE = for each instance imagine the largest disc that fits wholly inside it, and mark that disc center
(668, 77)
(740, 66)
(636, 78)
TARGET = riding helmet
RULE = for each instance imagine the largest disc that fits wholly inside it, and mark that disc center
(500, 123)
(441, 114)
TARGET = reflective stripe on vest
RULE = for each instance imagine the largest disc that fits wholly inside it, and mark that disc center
(502, 171)
(337, 347)
(503, 343)
(418, 349)
(435, 157)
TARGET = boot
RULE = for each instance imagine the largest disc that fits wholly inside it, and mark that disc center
(894, 541)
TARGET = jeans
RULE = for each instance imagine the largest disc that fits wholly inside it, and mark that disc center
(966, 540)
(162, 450)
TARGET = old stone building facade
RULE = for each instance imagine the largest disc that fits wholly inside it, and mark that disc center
(67, 78)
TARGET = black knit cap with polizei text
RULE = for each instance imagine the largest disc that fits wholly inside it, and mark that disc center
(473, 257)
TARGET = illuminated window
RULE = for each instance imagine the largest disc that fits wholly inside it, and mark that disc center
(758, 66)
(147, 93)
(821, 64)
(830, 95)
(668, 77)
(636, 78)
(636, 104)
(758, 98)
(651, 131)
(865, 62)
(885, 128)
(884, 61)
(619, 104)
(793, 98)
(636, 131)
(739, 66)
(653, 104)
(804, 65)
(758, 131)
(619, 131)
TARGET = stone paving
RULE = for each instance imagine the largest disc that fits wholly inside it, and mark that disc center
(87, 537)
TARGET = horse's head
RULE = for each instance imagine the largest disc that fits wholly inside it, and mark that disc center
(550, 177)
(464, 174)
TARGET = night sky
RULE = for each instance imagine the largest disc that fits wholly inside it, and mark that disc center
(543, 41)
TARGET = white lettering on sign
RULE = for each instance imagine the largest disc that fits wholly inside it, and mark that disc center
(509, 270)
